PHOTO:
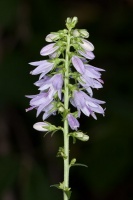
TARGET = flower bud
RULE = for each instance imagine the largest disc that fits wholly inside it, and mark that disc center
(61, 109)
(52, 37)
(76, 33)
(86, 45)
(68, 21)
(81, 136)
(84, 33)
(71, 22)
(44, 127)
(41, 126)
(74, 20)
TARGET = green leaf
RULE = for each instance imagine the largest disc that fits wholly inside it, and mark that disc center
(55, 185)
(79, 164)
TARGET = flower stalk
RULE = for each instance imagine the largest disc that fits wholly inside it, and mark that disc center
(66, 129)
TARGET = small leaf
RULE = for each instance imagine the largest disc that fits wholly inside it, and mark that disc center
(79, 164)
(55, 185)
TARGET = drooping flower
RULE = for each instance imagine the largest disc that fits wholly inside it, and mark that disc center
(86, 104)
(48, 88)
(40, 101)
(72, 121)
(43, 67)
(55, 83)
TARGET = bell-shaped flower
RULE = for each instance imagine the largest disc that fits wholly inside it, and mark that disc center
(73, 122)
(91, 78)
(55, 83)
(43, 67)
(41, 100)
(86, 104)
(48, 49)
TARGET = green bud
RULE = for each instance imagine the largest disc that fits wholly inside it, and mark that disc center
(76, 33)
(68, 21)
(61, 109)
(73, 161)
(84, 33)
(71, 22)
(74, 20)
(80, 136)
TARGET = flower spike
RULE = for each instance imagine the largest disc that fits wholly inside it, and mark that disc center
(66, 77)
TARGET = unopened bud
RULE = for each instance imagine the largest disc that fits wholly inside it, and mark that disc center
(81, 136)
(44, 126)
(41, 126)
(61, 109)
(52, 37)
(76, 33)
(74, 20)
(84, 33)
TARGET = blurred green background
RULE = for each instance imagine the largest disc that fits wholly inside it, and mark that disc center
(28, 163)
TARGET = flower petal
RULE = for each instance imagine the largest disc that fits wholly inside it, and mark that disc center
(48, 49)
(78, 64)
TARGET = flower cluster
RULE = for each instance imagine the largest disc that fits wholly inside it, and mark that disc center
(51, 71)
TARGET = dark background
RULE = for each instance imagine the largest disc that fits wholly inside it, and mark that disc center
(28, 163)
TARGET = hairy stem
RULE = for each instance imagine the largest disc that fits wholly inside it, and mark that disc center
(66, 129)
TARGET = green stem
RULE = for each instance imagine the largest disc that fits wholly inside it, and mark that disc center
(66, 129)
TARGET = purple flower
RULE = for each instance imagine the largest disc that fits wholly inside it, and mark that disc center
(78, 64)
(86, 104)
(49, 110)
(43, 67)
(73, 122)
(40, 101)
(48, 49)
(43, 101)
(55, 83)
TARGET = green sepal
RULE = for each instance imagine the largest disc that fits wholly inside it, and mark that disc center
(68, 193)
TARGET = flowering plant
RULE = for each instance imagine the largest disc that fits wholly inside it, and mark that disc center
(66, 77)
